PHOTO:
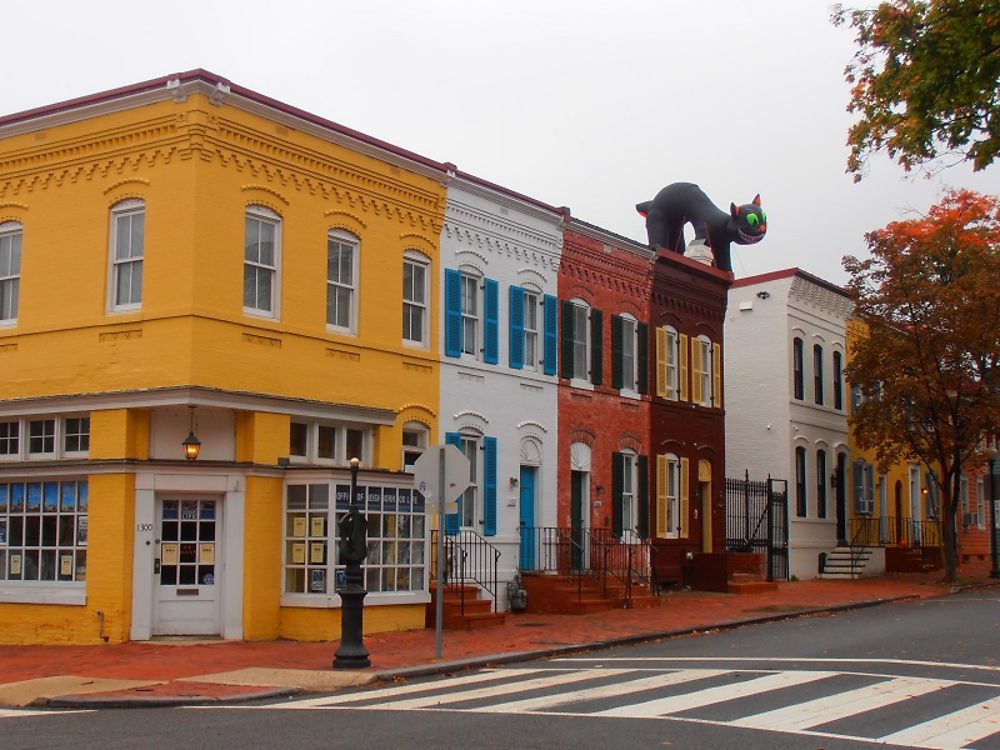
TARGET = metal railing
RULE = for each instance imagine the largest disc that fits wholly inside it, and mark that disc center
(865, 533)
(469, 559)
(596, 554)
(886, 531)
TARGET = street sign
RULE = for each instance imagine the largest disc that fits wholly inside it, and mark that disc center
(427, 471)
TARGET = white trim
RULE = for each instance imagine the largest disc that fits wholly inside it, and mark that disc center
(422, 261)
(42, 592)
(351, 240)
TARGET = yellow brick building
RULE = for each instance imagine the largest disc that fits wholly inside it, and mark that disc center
(185, 256)
(896, 512)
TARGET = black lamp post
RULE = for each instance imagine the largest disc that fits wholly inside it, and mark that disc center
(352, 653)
(991, 477)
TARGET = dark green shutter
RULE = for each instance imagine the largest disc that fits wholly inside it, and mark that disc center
(643, 358)
(642, 525)
(596, 347)
(567, 339)
(616, 352)
(617, 488)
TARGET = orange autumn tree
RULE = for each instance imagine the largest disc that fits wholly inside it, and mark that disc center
(929, 359)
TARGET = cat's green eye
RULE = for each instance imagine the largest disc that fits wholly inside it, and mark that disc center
(752, 220)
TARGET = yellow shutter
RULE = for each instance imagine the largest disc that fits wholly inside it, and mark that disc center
(696, 370)
(684, 498)
(683, 385)
(717, 376)
(661, 363)
(662, 524)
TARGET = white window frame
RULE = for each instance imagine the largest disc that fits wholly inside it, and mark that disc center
(17, 438)
(472, 498)
(416, 304)
(338, 287)
(42, 419)
(472, 301)
(630, 485)
(673, 496)
(340, 458)
(706, 369)
(673, 362)
(981, 502)
(63, 588)
(310, 542)
(264, 215)
(581, 342)
(11, 249)
(415, 439)
(532, 330)
(127, 209)
(84, 437)
(58, 435)
(630, 359)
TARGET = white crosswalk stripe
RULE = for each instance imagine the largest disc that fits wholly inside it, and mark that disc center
(710, 696)
(954, 730)
(683, 692)
(824, 710)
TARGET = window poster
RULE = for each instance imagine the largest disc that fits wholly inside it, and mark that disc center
(15, 565)
(3, 532)
(299, 553)
(316, 552)
(318, 526)
(299, 526)
(206, 553)
(66, 565)
(81, 531)
(169, 552)
(317, 581)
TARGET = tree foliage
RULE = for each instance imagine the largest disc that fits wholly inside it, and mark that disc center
(928, 356)
(924, 81)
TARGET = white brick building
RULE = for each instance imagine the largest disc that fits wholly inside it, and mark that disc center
(786, 414)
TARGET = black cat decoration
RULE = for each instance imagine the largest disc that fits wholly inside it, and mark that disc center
(684, 202)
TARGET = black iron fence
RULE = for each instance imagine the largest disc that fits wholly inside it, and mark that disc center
(757, 521)
(582, 554)
(894, 531)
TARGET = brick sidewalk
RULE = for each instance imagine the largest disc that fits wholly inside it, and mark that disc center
(164, 663)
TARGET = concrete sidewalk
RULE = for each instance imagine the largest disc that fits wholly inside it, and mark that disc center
(191, 672)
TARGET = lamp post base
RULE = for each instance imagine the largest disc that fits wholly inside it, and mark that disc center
(352, 653)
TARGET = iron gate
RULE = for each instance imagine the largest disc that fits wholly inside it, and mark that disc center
(757, 521)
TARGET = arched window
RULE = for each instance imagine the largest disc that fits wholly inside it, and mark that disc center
(701, 370)
(668, 496)
(801, 504)
(414, 443)
(838, 381)
(797, 369)
(818, 373)
(667, 363)
(821, 483)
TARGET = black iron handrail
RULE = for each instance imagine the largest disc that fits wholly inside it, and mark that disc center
(865, 533)
(469, 559)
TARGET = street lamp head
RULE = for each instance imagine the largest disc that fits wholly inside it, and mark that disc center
(355, 463)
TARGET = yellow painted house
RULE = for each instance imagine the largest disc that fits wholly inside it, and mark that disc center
(896, 512)
(188, 258)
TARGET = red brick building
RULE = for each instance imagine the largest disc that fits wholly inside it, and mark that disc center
(687, 420)
(604, 454)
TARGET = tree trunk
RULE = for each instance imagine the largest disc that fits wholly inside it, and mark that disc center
(948, 542)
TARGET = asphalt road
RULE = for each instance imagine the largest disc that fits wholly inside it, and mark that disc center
(915, 674)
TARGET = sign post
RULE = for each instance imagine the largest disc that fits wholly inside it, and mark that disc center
(441, 474)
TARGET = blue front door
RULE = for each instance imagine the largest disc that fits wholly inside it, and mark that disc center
(528, 532)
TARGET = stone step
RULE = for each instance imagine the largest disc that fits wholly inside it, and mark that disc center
(475, 621)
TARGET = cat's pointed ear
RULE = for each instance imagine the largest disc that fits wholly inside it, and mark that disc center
(756, 199)
(734, 210)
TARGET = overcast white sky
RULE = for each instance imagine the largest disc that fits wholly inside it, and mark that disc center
(593, 104)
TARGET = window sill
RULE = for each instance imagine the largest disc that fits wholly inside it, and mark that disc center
(253, 312)
(584, 385)
(8, 323)
(18, 592)
(341, 331)
(419, 345)
(629, 393)
(332, 601)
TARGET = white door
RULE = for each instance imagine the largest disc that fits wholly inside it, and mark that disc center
(187, 572)
(916, 516)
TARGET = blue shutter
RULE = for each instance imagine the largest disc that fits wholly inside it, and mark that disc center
(451, 521)
(490, 486)
(551, 311)
(491, 324)
(516, 327)
(452, 313)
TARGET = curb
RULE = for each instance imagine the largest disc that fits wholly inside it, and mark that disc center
(513, 657)
(97, 701)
